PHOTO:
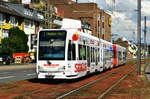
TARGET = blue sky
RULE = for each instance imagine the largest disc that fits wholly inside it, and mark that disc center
(125, 23)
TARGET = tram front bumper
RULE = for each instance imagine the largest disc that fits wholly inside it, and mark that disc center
(59, 75)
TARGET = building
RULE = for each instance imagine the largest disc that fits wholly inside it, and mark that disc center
(99, 21)
(52, 15)
(8, 19)
(27, 19)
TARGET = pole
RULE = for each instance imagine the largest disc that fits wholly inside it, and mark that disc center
(145, 39)
(139, 37)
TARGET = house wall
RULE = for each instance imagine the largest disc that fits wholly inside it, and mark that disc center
(27, 19)
(6, 24)
(86, 12)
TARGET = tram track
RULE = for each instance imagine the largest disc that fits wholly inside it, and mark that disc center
(42, 90)
(61, 95)
(113, 86)
(64, 96)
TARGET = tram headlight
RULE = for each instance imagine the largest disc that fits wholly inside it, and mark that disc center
(69, 66)
(40, 67)
(63, 67)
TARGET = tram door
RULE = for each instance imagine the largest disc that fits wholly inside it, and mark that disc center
(71, 57)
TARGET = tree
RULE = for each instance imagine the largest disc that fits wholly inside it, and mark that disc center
(15, 43)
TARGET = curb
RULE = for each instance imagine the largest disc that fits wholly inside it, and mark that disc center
(18, 66)
(147, 73)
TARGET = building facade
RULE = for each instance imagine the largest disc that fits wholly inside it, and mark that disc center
(52, 15)
(27, 19)
(99, 21)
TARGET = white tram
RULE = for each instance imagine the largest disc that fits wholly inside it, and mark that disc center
(70, 54)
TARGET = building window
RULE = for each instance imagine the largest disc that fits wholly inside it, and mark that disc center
(40, 16)
(5, 33)
(33, 41)
(29, 24)
(103, 24)
(98, 23)
(1, 19)
(13, 21)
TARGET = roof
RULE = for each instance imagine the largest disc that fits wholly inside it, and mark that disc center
(5, 9)
(18, 10)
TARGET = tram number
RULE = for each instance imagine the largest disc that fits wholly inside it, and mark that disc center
(49, 75)
(80, 67)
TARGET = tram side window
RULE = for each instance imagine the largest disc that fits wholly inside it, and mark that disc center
(119, 55)
(88, 53)
(98, 55)
(111, 53)
(91, 50)
(124, 55)
(92, 54)
(71, 51)
(82, 52)
(85, 52)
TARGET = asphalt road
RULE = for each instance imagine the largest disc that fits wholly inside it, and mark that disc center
(15, 73)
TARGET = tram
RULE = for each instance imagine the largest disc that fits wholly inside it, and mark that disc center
(71, 54)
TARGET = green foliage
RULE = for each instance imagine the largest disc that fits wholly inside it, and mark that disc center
(16, 43)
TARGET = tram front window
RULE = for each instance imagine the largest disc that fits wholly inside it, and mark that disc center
(52, 45)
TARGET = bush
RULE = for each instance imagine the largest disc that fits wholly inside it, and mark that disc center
(15, 43)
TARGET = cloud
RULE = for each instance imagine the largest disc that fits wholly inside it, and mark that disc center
(123, 26)
(146, 8)
(124, 23)
(128, 19)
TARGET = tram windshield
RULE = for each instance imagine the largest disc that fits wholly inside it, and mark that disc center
(52, 45)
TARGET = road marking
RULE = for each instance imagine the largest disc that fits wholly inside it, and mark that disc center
(25, 71)
(5, 72)
(7, 77)
(31, 74)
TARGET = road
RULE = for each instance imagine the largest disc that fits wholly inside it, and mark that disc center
(14, 73)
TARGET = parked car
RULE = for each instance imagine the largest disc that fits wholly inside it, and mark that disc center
(5, 60)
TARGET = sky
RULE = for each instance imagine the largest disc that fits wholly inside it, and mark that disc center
(124, 17)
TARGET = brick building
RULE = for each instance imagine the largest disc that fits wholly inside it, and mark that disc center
(88, 13)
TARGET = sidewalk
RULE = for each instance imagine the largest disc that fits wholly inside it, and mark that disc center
(17, 66)
(147, 72)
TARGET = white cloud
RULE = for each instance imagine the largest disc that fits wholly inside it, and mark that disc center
(125, 22)
(146, 8)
